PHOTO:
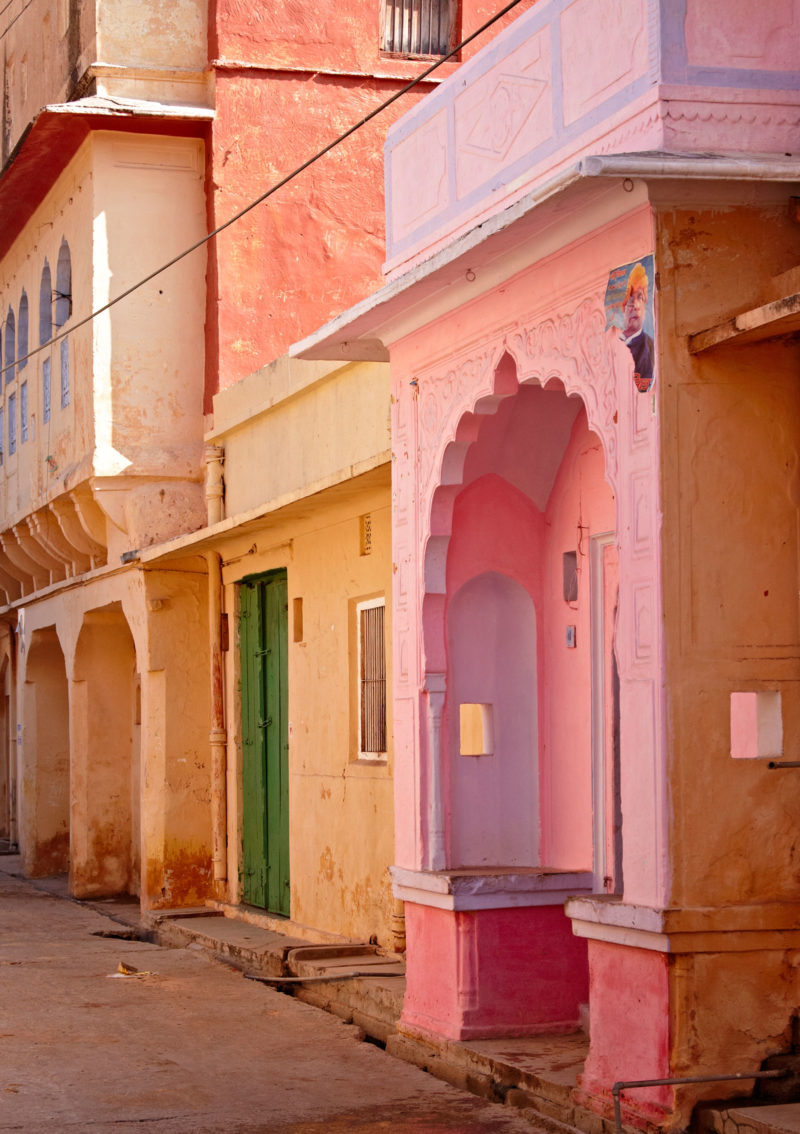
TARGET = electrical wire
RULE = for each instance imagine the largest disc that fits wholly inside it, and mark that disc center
(273, 188)
(22, 12)
(5, 8)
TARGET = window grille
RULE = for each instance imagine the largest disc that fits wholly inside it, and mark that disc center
(12, 423)
(372, 679)
(64, 373)
(2, 432)
(46, 389)
(23, 412)
(418, 27)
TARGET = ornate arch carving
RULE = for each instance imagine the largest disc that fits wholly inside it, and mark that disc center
(574, 348)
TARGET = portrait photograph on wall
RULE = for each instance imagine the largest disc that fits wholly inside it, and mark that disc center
(629, 307)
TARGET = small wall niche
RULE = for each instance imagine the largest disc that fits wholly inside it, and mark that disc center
(476, 730)
(569, 568)
(756, 725)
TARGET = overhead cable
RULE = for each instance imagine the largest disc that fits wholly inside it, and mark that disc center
(268, 192)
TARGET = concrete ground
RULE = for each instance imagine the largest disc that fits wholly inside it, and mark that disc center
(186, 1045)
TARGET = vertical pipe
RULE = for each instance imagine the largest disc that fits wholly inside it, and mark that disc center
(219, 753)
(215, 486)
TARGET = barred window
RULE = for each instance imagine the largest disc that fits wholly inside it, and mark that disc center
(418, 27)
(371, 679)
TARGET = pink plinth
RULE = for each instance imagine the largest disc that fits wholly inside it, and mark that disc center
(629, 992)
(484, 973)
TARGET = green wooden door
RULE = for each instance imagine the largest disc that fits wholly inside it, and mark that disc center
(265, 736)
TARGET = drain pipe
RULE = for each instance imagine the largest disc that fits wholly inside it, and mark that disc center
(626, 1085)
(218, 736)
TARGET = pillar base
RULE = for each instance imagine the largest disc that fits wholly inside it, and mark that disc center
(492, 972)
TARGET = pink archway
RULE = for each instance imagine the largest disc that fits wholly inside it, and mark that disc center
(437, 416)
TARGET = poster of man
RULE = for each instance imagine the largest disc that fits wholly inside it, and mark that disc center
(629, 306)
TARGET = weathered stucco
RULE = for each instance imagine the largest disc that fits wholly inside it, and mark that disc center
(129, 784)
(300, 506)
(500, 264)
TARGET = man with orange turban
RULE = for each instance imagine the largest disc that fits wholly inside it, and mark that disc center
(638, 343)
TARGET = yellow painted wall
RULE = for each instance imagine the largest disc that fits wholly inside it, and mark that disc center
(341, 820)
(150, 34)
(306, 448)
(27, 478)
(136, 769)
(136, 373)
(148, 354)
(294, 427)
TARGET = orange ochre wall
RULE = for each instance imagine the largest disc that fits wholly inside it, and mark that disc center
(730, 434)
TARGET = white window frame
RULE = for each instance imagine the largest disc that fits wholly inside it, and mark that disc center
(370, 604)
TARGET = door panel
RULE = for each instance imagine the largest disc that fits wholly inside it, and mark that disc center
(265, 759)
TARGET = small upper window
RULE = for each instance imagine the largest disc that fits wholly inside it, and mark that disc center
(63, 293)
(418, 27)
(22, 332)
(9, 356)
(45, 306)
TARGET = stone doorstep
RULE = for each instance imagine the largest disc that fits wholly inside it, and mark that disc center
(306, 934)
(768, 1118)
(374, 1003)
(252, 949)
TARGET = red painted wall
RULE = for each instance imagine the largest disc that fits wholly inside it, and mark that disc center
(314, 248)
(289, 78)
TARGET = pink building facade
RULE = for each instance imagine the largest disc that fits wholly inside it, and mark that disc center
(595, 519)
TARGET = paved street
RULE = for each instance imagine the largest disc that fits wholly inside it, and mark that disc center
(189, 1047)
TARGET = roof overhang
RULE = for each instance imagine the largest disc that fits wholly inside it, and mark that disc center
(340, 488)
(57, 132)
(595, 186)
